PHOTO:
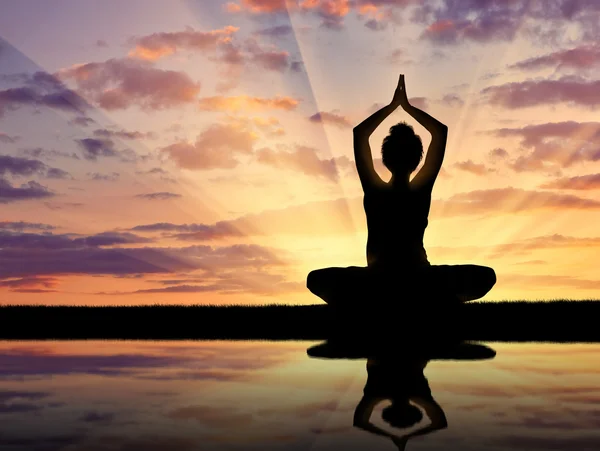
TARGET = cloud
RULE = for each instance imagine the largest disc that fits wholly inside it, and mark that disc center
(159, 45)
(22, 225)
(215, 147)
(473, 168)
(94, 148)
(508, 200)
(305, 160)
(269, 59)
(112, 177)
(7, 139)
(454, 31)
(158, 196)
(27, 191)
(419, 102)
(24, 362)
(331, 118)
(30, 284)
(50, 154)
(94, 416)
(117, 84)
(122, 134)
(483, 21)
(583, 57)
(580, 182)
(256, 282)
(192, 232)
(41, 89)
(277, 31)
(28, 254)
(452, 100)
(398, 56)
(555, 144)
(19, 167)
(569, 90)
(12, 240)
(244, 102)
(82, 121)
(498, 154)
(56, 173)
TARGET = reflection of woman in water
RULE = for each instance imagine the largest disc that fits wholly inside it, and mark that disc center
(401, 382)
(397, 213)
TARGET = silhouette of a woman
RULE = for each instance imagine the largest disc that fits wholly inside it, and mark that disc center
(401, 381)
(396, 213)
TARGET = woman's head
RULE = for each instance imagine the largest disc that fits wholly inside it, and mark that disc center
(402, 149)
(402, 414)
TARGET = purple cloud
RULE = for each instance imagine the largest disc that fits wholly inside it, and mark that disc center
(94, 148)
(158, 196)
(41, 89)
(568, 90)
(27, 191)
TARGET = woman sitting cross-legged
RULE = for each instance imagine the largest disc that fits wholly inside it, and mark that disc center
(396, 213)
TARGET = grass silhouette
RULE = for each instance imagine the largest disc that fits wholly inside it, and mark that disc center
(508, 321)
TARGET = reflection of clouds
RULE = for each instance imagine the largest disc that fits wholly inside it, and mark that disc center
(241, 395)
(528, 442)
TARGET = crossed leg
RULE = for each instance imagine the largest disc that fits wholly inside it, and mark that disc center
(338, 285)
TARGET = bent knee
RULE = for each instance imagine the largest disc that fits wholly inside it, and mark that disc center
(314, 281)
(487, 278)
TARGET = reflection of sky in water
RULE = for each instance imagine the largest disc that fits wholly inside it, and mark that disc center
(259, 395)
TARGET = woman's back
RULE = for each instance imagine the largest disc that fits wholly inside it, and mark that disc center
(396, 222)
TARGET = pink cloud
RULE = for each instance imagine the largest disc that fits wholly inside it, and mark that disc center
(508, 200)
(581, 182)
(419, 102)
(452, 100)
(555, 144)
(583, 57)
(568, 90)
(120, 83)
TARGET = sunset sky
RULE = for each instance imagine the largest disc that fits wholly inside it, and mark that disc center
(201, 151)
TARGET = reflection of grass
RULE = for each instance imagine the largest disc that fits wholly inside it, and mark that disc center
(554, 321)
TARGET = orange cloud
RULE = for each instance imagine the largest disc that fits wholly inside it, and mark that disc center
(245, 102)
(216, 147)
(473, 168)
(158, 45)
(306, 160)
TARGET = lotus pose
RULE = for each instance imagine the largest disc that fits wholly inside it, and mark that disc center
(397, 215)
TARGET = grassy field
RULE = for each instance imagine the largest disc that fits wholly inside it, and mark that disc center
(547, 321)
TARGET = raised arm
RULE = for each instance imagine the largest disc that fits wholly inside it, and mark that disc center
(426, 177)
(362, 150)
(439, 132)
(435, 414)
(362, 416)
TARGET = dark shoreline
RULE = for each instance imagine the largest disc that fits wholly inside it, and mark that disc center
(548, 321)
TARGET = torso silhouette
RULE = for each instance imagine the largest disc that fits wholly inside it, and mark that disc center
(397, 379)
(396, 222)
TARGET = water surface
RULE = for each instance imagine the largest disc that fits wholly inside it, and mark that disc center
(118, 395)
